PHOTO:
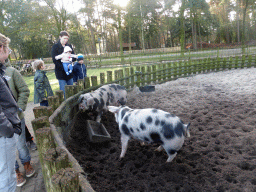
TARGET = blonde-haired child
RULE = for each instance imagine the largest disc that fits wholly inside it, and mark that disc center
(42, 87)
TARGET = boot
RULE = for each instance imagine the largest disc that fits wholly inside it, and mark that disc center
(20, 179)
(29, 169)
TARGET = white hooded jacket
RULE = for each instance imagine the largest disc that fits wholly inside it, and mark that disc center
(66, 57)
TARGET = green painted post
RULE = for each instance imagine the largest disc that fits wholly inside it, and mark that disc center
(243, 61)
(109, 76)
(249, 61)
(94, 81)
(154, 73)
(127, 80)
(132, 76)
(149, 75)
(143, 75)
(175, 76)
(230, 66)
(218, 64)
(116, 74)
(121, 76)
(224, 64)
(236, 62)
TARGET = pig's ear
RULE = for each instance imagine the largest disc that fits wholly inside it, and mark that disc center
(113, 109)
(90, 101)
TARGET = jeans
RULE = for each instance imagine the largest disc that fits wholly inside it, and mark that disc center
(44, 103)
(62, 84)
(23, 150)
(7, 163)
(67, 67)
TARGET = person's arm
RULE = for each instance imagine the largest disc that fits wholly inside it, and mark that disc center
(59, 56)
(22, 90)
(73, 56)
(54, 53)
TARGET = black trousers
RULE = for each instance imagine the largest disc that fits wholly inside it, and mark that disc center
(28, 135)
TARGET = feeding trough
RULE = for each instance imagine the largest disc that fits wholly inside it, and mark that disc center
(147, 88)
(97, 132)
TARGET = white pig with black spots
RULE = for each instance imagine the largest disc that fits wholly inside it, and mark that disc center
(98, 100)
(152, 126)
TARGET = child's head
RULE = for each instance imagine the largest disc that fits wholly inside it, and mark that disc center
(67, 49)
(38, 64)
(80, 58)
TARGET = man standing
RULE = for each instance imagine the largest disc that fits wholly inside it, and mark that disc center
(9, 124)
(58, 49)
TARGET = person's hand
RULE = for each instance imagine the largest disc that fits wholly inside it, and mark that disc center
(17, 128)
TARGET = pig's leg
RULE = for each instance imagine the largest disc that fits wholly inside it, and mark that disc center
(124, 141)
(98, 118)
(171, 154)
(160, 148)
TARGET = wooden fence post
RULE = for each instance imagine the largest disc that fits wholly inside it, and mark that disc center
(116, 74)
(60, 94)
(80, 84)
(42, 111)
(70, 90)
(53, 102)
(249, 61)
(102, 78)
(230, 63)
(149, 76)
(132, 76)
(143, 75)
(109, 76)
(224, 63)
(40, 122)
(121, 76)
(94, 81)
(53, 160)
(87, 83)
(66, 180)
(127, 73)
(236, 62)
(243, 61)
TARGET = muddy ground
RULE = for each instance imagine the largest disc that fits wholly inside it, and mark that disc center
(220, 155)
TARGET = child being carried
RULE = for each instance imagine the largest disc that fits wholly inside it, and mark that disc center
(66, 59)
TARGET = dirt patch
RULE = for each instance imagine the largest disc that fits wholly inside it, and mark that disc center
(220, 155)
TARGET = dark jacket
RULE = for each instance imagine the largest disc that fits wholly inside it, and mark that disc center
(42, 87)
(60, 73)
(8, 107)
(79, 71)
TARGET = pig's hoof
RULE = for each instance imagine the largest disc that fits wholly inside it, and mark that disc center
(120, 159)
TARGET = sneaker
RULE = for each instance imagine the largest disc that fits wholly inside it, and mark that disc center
(31, 144)
(67, 73)
(20, 179)
(29, 169)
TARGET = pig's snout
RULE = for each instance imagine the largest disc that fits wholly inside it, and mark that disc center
(81, 107)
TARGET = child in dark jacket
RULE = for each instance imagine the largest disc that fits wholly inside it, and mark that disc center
(42, 87)
(79, 70)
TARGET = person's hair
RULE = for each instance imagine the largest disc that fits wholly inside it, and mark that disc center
(38, 64)
(4, 41)
(64, 33)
